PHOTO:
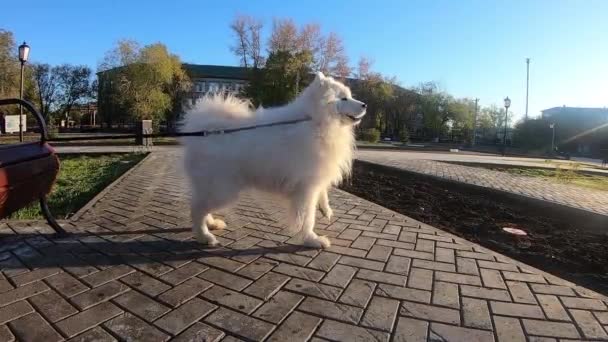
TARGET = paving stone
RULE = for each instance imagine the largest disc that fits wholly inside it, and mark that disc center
(353, 252)
(33, 327)
(590, 327)
(299, 272)
(232, 299)
(529, 278)
(130, 328)
(179, 319)
(313, 289)
(380, 253)
(475, 255)
(350, 234)
(278, 306)
(407, 236)
(52, 306)
(433, 265)
(425, 245)
(382, 277)
(363, 242)
(467, 266)
(184, 291)
(446, 294)
(358, 293)
(362, 263)
(141, 305)
(553, 329)
(324, 261)
(552, 289)
(379, 235)
(483, 292)
(457, 278)
(107, 275)
(381, 314)
(14, 311)
(508, 329)
(517, 310)
(183, 273)
(602, 317)
(430, 312)
(225, 279)
(22, 292)
(222, 263)
(444, 255)
(583, 303)
(87, 319)
(144, 283)
(239, 324)
(341, 312)
(338, 331)
(410, 330)
(96, 334)
(442, 332)
(396, 244)
(496, 265)
(419, 278)
(99, 294)
(298, 327)
(6, 334)
(404, 293)
(340, 276)
(492, 278)
(398, 264)
(199, 332)
(258, 268)
(291, 258)
(553, 308)
(35, 275)
(413, 254)
(476, 313)
(266, 286)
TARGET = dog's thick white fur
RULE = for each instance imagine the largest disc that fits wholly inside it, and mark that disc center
(299, 161)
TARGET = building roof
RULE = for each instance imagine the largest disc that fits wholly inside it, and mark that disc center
(575, 109)
(215, 71)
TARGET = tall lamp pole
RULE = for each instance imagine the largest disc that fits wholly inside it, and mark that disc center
(24, 53)
(504, 137)
(527, 84)
(552, 126)
(475, 123)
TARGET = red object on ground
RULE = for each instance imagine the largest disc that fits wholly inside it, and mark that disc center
(27, 173)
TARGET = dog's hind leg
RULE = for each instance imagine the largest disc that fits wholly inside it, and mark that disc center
(200, 217)
(215, 223)
(305, 205)
(324, 205)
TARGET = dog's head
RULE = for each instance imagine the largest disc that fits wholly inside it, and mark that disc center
(336, 100)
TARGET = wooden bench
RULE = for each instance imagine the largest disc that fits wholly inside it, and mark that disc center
(28, 171)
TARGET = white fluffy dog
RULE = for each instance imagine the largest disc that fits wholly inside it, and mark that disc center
(299, 161)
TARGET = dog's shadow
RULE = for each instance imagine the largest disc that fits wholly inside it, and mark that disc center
(91, 249)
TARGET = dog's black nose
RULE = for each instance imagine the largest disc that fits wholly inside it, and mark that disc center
(364, 105)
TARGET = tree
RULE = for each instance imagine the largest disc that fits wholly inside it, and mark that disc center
(74, 85)
(46, 83)
(9, 65)
(144, 83)
(533, 134)
(247, 47)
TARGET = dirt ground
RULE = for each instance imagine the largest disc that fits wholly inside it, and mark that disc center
(554, 246)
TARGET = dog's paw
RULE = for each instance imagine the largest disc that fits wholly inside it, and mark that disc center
(317, 242)
(216, 224)
(207, 239)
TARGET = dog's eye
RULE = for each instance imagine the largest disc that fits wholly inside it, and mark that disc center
(344, 99)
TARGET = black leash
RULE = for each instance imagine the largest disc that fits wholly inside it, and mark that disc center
(184, 134)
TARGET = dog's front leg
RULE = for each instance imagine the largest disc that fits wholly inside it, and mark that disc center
(324, 205)
(306, 208)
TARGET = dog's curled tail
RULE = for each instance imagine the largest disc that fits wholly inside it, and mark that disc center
(216, 111)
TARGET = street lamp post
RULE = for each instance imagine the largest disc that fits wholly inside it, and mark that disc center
(552, 126)
(504, 137)
(24, 53)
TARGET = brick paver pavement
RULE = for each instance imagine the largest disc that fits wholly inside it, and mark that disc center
(131, 271)
(538, 188)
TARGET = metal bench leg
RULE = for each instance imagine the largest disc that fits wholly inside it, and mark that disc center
(59, 232)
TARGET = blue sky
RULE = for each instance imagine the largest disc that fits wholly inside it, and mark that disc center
(472, 48)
